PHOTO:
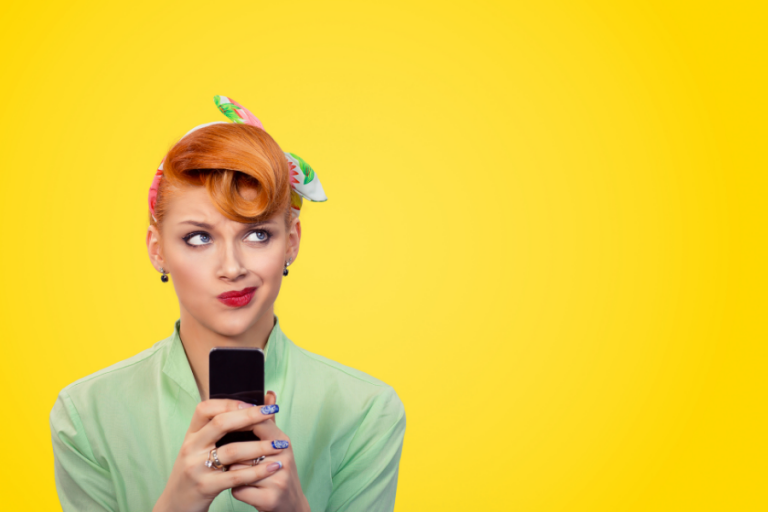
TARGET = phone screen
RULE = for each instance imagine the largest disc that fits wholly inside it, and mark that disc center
(237, 374)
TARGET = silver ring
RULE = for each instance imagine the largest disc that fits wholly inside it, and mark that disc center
(256, 462)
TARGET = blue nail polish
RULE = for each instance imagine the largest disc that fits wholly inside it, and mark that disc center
(279, 444)
(269, 409)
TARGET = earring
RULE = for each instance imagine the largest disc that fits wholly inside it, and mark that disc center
(164, 277)
(285, 270)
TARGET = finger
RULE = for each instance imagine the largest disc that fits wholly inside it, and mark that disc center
(248, 476)
(249, 450)
(268, 430)
(257, 496)
(240, 465)
(234, 420)
(208, 409)
(271, 398)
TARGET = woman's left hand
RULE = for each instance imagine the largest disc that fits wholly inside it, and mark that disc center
(281, 490)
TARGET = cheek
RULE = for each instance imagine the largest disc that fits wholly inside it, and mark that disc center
(189, 273)
(267, 266)
(196, 271)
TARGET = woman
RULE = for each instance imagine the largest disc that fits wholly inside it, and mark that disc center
(140, 434)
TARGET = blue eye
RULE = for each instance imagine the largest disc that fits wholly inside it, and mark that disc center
(257, 236)
(197, 239)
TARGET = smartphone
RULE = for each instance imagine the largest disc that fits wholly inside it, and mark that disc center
(237, 374)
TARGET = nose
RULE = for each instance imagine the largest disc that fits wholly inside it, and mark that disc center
(231, 266)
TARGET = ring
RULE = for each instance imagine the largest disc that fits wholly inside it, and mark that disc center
(214, 462)
(257, 461)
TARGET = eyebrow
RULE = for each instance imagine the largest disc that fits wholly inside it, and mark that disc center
(208, 226)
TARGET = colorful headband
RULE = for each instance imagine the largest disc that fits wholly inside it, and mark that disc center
(304, 180)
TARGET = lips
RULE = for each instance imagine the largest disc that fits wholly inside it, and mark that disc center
(237, 298)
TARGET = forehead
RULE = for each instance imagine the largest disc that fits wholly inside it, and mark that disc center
(191, 202)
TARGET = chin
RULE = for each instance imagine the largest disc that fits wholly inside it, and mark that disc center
(233, 324)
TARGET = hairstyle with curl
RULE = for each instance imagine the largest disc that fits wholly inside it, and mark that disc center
(225, 157)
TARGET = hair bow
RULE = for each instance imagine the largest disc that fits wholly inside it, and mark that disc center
(303, 179)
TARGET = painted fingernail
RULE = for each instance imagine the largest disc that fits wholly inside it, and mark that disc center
(279, 444)
(269, 409)
(244, 405)
(275, 466)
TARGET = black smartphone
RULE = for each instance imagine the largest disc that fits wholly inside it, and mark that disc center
(237, 374)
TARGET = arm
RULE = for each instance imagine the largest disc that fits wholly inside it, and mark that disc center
(82, 484)
(367, 477)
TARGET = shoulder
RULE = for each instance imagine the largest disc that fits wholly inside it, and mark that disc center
(349, 387)
(321, 364)
(118, 377)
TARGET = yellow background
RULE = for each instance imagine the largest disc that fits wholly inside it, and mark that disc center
(545, 228)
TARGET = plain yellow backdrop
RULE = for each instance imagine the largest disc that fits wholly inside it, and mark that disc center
(545, 228)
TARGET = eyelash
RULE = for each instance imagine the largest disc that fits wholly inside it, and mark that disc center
(187, 237)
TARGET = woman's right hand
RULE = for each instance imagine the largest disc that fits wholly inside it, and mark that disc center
(192, 486)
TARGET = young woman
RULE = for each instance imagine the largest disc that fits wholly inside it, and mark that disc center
(140, 435)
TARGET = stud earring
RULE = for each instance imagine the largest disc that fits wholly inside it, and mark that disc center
(285, 270)
(164, 277)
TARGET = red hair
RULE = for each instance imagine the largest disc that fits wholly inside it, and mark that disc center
(225, 157)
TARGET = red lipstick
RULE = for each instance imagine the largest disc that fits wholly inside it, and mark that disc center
(237, 299)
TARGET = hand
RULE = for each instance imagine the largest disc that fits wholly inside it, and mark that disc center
(192, 486)
(279, 490)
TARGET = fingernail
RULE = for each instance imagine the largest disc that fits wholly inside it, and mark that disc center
(269, 409)
(275, 466)
(279, 444)
(244, 405)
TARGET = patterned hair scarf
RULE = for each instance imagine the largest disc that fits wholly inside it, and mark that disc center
(304, 180)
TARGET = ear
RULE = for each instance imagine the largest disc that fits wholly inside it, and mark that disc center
(294, 237)
(154, 248)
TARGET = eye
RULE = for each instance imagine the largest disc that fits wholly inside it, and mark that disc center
(197, 239)
(260, 236)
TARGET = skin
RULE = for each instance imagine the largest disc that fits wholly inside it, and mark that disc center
(225, 255)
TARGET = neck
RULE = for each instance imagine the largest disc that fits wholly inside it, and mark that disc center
(198, 340)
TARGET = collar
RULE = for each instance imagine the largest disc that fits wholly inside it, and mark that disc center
(177, 366)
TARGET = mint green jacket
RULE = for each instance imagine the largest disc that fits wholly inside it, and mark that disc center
(116, 432)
